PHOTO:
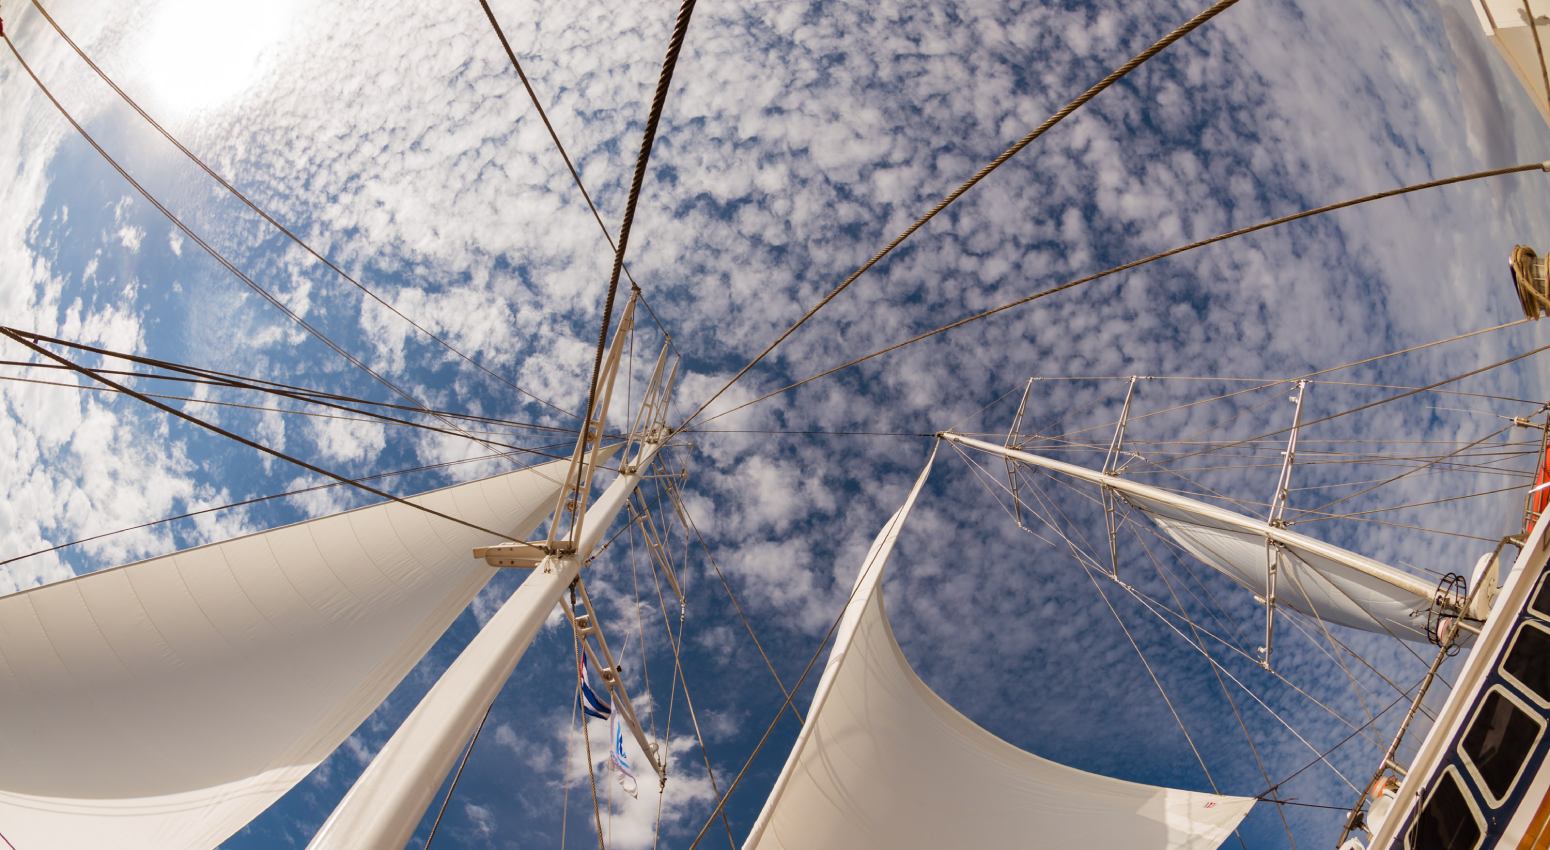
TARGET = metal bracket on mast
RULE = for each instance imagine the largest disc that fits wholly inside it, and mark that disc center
(1109, 468)
(570, 508)
(1011, 465)
(1274, 551)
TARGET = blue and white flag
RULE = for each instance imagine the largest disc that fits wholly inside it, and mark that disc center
(588, 699)
(620, 760)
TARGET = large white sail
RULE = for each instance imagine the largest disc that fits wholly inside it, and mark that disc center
(1324, 581)
(166, 703)
(884, 762)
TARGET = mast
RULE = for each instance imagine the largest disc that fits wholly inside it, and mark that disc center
(1403, 585)
(1275, 551)
(390, 797)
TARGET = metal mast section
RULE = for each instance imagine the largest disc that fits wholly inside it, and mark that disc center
(389, 799)
(1275, 552)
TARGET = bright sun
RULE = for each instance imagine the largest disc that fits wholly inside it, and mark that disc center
(197, 54)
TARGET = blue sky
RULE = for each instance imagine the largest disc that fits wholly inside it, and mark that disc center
(799, 138)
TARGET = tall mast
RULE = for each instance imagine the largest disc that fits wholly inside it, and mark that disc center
(1275, 551)
(390, 797)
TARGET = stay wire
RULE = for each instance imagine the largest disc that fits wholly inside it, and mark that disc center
(683, 508)
(258, 499)
(1093, 91)
(1134, 264)
(267, 217)
(92, 374)
(642, 159)
(456, 775)
(1506, 361)
(198, 375)
(209, 249)
(681, 680)
(570, 166)
(850, 597)
(1311, 375)
(586, 737)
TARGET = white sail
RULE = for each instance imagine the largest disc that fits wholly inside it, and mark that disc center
(884, 762)
(166, 703)
(391, 795)
(1507, 25)
(1324, 581)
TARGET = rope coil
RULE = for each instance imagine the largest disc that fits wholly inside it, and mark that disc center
(1528, 279)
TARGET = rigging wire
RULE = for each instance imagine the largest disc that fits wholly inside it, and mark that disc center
(642, 159)
(200, 376)
(1155, 607)
(258, 499)
(16, 336)
(1243, 726)
(266, 216)
(1134, 264)
(796, 687)
(586, 737)
(457, 774)
(1455, 453)
(1311, 375)
(1506, 361)
(677, 500)
(209, 249)
(680, 680)
(570, 166)
(1093, 91)
(288, 411)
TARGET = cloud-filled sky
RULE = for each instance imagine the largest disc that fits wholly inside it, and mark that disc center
(799, 137)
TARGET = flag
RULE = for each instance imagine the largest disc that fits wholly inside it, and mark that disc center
(587, 698)
(619, 760)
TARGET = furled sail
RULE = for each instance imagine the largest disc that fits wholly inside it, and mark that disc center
(884, 762)
(168, 702)
(1324, 581)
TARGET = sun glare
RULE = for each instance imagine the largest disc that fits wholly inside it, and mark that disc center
(198, 54)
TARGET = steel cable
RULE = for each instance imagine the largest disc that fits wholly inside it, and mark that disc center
(1134, 264)
(1093, 91)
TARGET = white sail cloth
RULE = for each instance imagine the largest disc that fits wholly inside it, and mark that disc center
(883, 762)
(1336, 586)
(166, 703)
(1324, 581)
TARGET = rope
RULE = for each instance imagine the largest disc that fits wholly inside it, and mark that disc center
(458, 774)
(680, 679)
(210, 249)
(1134, 264)
(1155, 681)
(664, 82)
(779, 712)
(586, 737)
(256, 500)
(1371, 404)
(985, 170)
(266, 216)
(90, 373)
(683, 508)
(570, 166)
(289, 411)
(570, 747)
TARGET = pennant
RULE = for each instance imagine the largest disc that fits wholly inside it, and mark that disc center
(619, 760)
(587, 698)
